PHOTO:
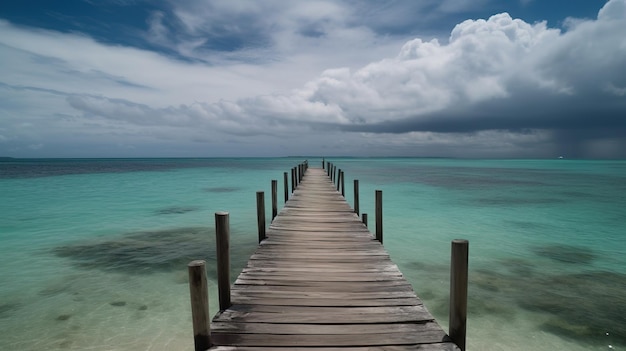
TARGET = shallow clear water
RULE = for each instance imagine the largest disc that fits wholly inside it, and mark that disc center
(93, 253)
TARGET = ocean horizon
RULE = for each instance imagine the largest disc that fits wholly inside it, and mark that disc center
(94, 251)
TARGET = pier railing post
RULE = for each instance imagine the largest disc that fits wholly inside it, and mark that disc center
(199, 294)
(286, 181)
(260, 214)
(293, 180)
(379, 216)
(356, 197)
(458, 292)
(274, 198)
(343, 184)
(222, 233)
(364, 216)
(296, 169)
(338, 179)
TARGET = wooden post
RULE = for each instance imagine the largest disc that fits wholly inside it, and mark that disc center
(222, 233)
(286, 181)
(458, 292)
(328, 165)
(338, 179)
(323, 163)
(260, 214)
(297, 175)
(199, 305)
(274, 198)
(364, 218)
(379, 216)
(293, 180)
(343, 184)
(356, 197)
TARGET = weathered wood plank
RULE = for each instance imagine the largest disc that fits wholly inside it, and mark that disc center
(351, 267)
(444, 346)
(394, 338)
(316, 302)
(325, 279)
(294, 267)
(337, 296)
(318, 329)
(359, 285)
(373, 287)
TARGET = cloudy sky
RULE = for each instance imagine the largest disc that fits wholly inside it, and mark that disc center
(481, 78)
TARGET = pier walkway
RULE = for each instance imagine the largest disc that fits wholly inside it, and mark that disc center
(321, 281)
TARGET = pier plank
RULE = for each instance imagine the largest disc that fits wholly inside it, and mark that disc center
(320, 281)
(444, 346)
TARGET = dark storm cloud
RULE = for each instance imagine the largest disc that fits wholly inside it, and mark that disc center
(562, 113)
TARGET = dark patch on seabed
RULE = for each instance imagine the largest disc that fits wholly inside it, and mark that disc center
(176, 210)
(467, 178)
(583, 306)
(7, 309)
(586, 307)
(153, 251)
(566, 253)
(528, 225)
(222, 189)
(143, 252)
(63, 317)
(513, 201)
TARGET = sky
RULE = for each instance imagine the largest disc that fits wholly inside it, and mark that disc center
(227, 78)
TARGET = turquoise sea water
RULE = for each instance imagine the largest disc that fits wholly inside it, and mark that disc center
(93, 253)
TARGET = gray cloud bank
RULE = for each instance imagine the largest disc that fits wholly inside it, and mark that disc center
(498, 87)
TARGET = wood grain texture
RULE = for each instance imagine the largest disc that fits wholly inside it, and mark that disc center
(320, 281)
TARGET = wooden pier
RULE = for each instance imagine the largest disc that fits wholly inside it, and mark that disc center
(320, 280)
